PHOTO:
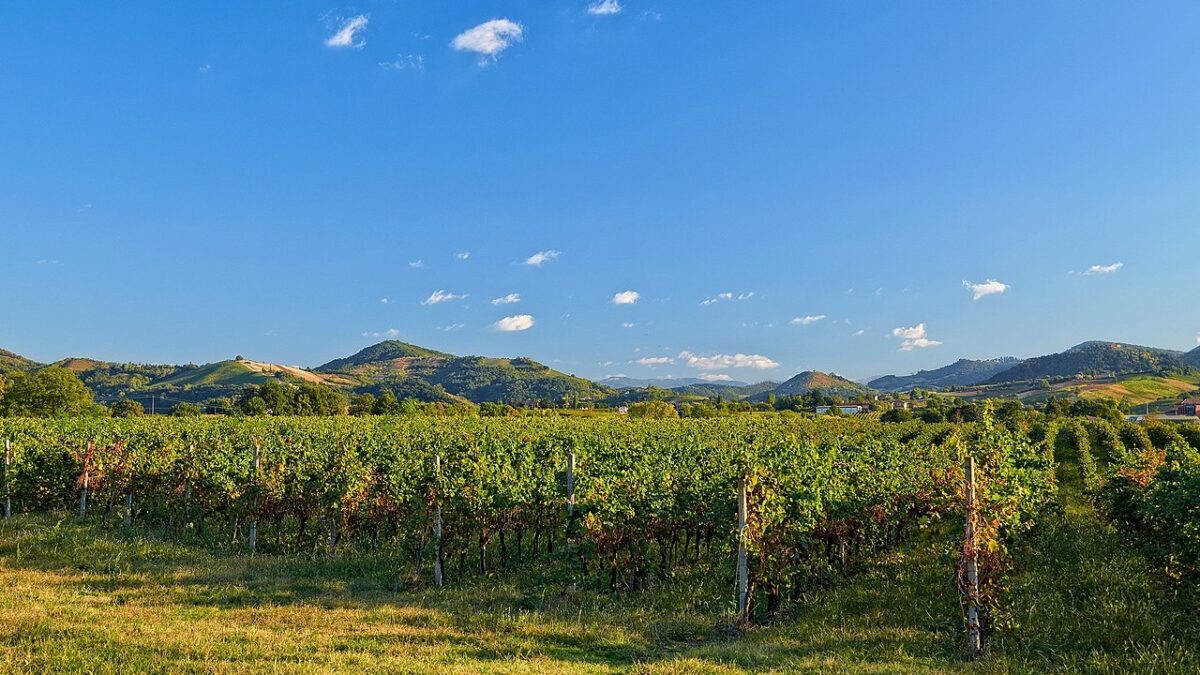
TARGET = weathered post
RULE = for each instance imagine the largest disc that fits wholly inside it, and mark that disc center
(7, 484)
(83, 494)
(971, 563)
(743, 571)
(437, 523)
(252, 536)
(128, 509)
(570, 485)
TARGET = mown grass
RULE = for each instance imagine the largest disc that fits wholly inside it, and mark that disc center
(76, 598)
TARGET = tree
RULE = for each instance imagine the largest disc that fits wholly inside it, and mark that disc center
(896, 415)
(386, 404)
(361, 404)
(127, 408)
(185, 410)
(49, 392)
(653, 410)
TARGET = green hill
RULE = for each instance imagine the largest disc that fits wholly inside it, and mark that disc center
(828, 383)
(429, 373)
(1192, 358)
(961, 373)
(1094, 359)
(15, 362)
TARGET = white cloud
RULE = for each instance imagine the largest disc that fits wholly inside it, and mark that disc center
(511, 298)
(404, 62)
(628, 324)
(440, 296)
(719, 361)
(605, 7)
(625, 297)
(416, 264)
(488, 39)
(858, 332)
(349, 34)
(914, 338)
(727, 296)
(657, 16)
(654, 361)
(517, 322)
(807, 319)
(983, 289)
(1104, 269)
(450, 328)
(383, 301)
(1198, 338)
(389, 333)
(714, 377)
(463, 256)
(542, 256)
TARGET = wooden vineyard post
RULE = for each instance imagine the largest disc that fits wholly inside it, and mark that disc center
(128, 509)
(743, 571)
(970, 588)
(83, 494)
(437, 524)
(7, 485)
(570, 485)
(252, 536)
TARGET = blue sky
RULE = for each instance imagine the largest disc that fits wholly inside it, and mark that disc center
(187, 183)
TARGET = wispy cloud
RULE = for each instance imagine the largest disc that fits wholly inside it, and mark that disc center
(719, 361)
(512, 324)
(440, 296)
(463, 255)
(489, 39)
(652, 361)
(986, 288)
(389, 333)
(605, 8)
(349, 34)
(383, 301)
(416, 264)
(1103, 269)
(625, 297)
(510, 299)
(450, 328)
(404, 62)
(727, 297)
(628, 324)
(807, 319)
(858, 332)
(539, 258)
(914, 338)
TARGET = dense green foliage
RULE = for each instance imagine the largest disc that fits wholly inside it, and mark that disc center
(48, 392)
(650, 495)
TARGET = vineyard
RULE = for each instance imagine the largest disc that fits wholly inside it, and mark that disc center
(772, 508)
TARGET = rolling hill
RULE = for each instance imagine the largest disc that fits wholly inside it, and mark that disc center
(828, 383)
(15, 362)
(1095, 358)
(475, 378)
(1192, 358)
(961, 373)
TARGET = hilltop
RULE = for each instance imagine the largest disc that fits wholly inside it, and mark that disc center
(828, 383)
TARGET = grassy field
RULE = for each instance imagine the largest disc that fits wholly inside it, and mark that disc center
(1139, 390)
(74, 598)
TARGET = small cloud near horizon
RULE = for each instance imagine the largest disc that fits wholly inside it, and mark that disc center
(914, 338)
(513, 324)
(807, 320)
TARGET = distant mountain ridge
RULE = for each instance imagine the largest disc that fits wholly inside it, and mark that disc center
(961, 373)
